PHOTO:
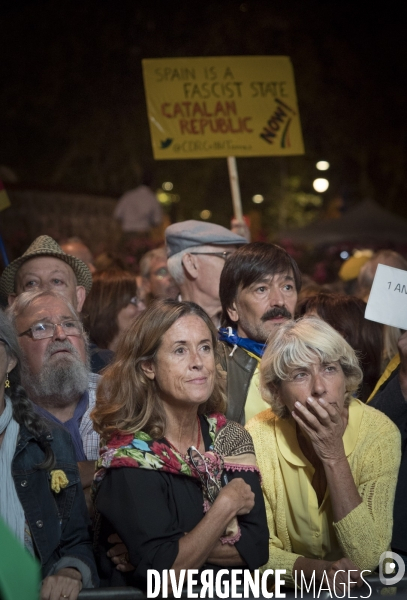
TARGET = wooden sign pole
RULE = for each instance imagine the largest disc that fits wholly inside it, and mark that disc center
(234, 186)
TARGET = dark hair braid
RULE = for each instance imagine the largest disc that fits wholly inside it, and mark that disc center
(23, 408)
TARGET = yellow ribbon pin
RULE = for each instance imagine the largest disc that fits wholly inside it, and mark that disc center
(59, 480)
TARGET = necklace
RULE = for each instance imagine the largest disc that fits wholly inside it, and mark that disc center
(185, 456)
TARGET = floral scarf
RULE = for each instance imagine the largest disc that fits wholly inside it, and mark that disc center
(142, 451)
(231, 449)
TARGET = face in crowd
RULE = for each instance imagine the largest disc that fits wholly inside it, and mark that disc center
(54, 349)
(305, 361)
(159, 282)
(206, 267)
(264, 305)
(258, 290)
(80, 250)
(317, 380)
(184, 367)
(49, 273)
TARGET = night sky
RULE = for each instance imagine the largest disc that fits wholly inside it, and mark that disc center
(72, 107)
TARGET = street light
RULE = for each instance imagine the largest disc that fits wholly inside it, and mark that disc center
(322, 165)
(258, 199)
(320, 185)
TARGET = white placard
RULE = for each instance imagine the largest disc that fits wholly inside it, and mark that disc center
(388, 299)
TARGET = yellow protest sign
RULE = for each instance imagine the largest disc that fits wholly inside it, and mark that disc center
(222, 106)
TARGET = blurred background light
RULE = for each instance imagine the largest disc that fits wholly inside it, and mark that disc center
(344, 254)
(205, 214)
(163, 198)
(320, 185)
(322, 165)
(258, 198)
(167, 186)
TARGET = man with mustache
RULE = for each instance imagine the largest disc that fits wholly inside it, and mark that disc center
(258, 290)
(55, 369)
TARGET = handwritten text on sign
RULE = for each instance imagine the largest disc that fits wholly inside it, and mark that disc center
(224, 106)
(388, 299)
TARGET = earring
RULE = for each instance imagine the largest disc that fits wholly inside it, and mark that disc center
(7, 382)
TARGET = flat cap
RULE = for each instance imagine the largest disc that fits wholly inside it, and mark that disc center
(44, 246)
(188, 234)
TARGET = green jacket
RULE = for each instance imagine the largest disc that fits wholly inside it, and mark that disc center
(20, 573)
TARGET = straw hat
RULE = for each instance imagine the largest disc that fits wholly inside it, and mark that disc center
(44, 246)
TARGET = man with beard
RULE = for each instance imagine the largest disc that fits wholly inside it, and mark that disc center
(55, 369)
(44, 266)
(258, 290)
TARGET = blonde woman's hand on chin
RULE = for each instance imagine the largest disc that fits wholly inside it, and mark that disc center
(324, 425)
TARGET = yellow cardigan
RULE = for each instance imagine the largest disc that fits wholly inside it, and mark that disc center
(374, 462)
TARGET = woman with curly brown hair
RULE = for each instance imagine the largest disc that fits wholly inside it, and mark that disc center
(176, 480)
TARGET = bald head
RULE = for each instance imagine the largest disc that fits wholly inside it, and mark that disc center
(75, 247)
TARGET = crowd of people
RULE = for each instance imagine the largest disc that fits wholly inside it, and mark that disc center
(209, 413)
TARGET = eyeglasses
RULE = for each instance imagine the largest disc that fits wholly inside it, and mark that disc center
(43, 330)
(137, 302)
(4, 342)
(223, 255)
(161, 273)
(208, 481)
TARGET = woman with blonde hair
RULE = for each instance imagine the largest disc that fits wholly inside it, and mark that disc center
(328, 462)
(346, 314)
(177, 481)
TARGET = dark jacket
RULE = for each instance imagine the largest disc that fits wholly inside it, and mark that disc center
(59, 523)
(99, 358)
(390, 400)
(238, 371)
